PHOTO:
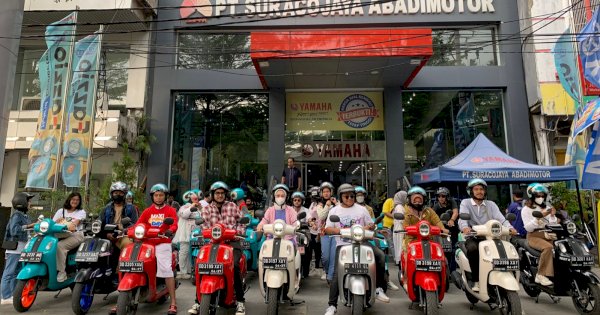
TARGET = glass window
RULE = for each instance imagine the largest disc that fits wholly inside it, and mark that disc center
(220, 137)
(213, 51)
(464, 47)
(117, 63)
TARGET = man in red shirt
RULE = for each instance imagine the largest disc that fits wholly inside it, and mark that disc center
(154, 216)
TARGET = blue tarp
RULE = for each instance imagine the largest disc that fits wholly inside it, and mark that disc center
(482, 159)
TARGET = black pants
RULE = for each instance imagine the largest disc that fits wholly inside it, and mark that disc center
(472, 245)
(237, 277)
(313, 245)
(380, 282)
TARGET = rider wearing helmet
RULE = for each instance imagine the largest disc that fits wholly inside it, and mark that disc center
(481, 211)
(15, 231)
(352, 214)
(154, 216)
(538, 195)
(280, 210)
(361, 199)
(116, 210)
(188, 213)
(227, 213)
(238, 196)
(320, 212)
(297, 203)
(417, 210)
(444, 203)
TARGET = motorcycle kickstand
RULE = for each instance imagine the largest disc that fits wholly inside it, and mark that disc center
(57, 294)
(411, 306)
(555, 299)
(106, 297)
(472, 306)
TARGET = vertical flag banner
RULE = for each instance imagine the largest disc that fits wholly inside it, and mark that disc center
(79, 115)
(589, 49)
(591, 171)
(54, 73)
(566, 65)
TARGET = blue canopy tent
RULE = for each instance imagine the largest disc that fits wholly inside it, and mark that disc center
(483, 159)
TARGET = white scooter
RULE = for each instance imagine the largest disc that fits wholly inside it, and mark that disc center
(279, 265)
(498, 268)
(356, 268)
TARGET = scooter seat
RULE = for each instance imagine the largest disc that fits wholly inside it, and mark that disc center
(523, 243)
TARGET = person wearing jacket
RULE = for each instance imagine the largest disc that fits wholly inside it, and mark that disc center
(187, 223)
(15, 231)
(280, 210)
(116, 210)
(328, 246)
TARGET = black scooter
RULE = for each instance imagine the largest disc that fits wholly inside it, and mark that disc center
(96, 261)
(574, 261)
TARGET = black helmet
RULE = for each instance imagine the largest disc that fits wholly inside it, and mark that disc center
(20, 200)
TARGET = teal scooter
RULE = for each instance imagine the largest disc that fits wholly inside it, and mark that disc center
(39, 269)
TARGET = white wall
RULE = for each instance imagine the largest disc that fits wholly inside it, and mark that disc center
(9, 177)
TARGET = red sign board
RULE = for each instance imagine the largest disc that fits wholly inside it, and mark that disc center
(588, 88)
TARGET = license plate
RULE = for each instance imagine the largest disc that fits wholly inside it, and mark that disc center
(582, 261)
(197, 243)
(210, 269)
(428, 265)
(31, 257)
(245, 244)
(87, 256)
(356, 269)
(274, 263)
(131, 266)
(301, 250)
(447, 247)
(505, 264)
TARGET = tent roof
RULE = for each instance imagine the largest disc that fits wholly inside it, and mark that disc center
(482, 159)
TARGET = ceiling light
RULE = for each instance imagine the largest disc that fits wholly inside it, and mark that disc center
(113, 119)
(415, 62)
(103, 138)
(12, 138)
(263, 64)
(299, 73)
(374, 72)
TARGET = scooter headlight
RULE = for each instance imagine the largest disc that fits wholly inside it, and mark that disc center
(139, 231)
(81, 247)
(216, 232)
(358, 233)
(562, 247)
(278, 228)
(44, 226)
(424, 229)
(496, 230)
(571, 228)
(96, 227)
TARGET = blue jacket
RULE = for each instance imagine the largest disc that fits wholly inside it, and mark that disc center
(109, 212)
(14, 228)
(515, 208)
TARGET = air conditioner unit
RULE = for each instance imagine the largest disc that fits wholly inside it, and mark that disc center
(31, 103)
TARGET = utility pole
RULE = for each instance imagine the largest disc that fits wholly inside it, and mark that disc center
(11, 19)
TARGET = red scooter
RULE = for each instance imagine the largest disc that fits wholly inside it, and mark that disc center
(424, 265)
(137, 269)
(214, 268)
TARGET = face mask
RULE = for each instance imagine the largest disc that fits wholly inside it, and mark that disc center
(279, 201)
(539, 200)
(118, 198)
(360, 199)
(417, 206)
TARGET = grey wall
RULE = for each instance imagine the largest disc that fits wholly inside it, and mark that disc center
(276, 134)
(394, 136)
(11, 18)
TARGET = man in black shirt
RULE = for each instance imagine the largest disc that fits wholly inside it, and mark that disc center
(444, 203)
(291, 176)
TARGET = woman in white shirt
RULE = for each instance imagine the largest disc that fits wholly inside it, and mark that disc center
(72, 215)
(538, 195)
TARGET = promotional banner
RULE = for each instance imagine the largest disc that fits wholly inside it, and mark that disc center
(78, 131)
(589, 49)
(53, 71)
(334, 111)
(576, 151)
(591, 171)
(566, 65)
(586, 116)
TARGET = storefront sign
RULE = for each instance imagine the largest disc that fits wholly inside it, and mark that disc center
(342, 151)
(199, 11)
(334, 111)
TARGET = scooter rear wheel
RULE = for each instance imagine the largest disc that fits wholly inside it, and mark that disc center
(25, 294)
(125, 303)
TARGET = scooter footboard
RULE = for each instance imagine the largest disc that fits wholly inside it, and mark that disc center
(130, 281)
(356, 284)
(504, 279)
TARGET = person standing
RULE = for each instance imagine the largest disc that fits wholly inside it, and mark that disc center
(445, 203)
(291, 176)
(185, 226)
(15, 231)
(515, 207)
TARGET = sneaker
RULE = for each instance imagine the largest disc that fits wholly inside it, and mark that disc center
(381, 295)
(240, 309)
(324, 276)
(331, 310)
(475, 287)
(8, 301)
(172, 310)
(405, 286)
(113, 310)
(61, 276)
(186, 276)
(392, 286)
(543, 280)
(194, 309)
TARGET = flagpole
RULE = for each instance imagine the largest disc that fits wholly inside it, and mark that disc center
(65, 103)
(93, 115)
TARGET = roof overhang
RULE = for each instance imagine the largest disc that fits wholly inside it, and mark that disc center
(371, 58)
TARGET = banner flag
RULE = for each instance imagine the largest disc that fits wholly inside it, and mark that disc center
(589, 49)
(565, 61)
(591, 170)
(79, 115)
(586, 116)
(53, 71)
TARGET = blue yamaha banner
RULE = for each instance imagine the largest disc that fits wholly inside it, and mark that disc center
(566, 65)
(591, 170)
(589, 49)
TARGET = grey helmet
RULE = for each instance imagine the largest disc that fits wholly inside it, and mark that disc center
(344, 188)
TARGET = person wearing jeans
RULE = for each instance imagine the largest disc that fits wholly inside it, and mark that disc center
(326, 203)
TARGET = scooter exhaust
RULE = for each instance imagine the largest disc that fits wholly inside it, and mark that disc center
(457, 279)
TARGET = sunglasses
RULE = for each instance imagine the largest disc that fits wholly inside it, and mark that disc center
(349, 196)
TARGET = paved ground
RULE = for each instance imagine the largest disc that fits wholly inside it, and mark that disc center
(313, 291)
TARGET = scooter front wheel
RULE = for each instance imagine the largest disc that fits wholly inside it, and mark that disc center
(431, 303)
(358, 301)
(25, 294)
(126, 304)
(587, 303)
(205, 307)
(272, 301)
(511, 303)
(82, 298)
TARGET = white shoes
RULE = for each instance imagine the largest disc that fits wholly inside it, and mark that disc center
(61, 276)
(240, 309)
(475, 287)
(8, 301)
(392, 286)
(543, 280)
(381, 296)
(194, 309)
(324, 276)
(331, 310)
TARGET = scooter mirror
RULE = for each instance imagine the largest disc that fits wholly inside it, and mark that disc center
(110, 227)
(259, 214)
(537, 214)
(168, 221)
(194, 209)
(334, 218)
(126, 221)
(244, 220)
(398, 216)
(576, 217)
(199, 221)
(301, 215)
(464, 216)
(94, 216)
(511, 217)
(445, 217)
